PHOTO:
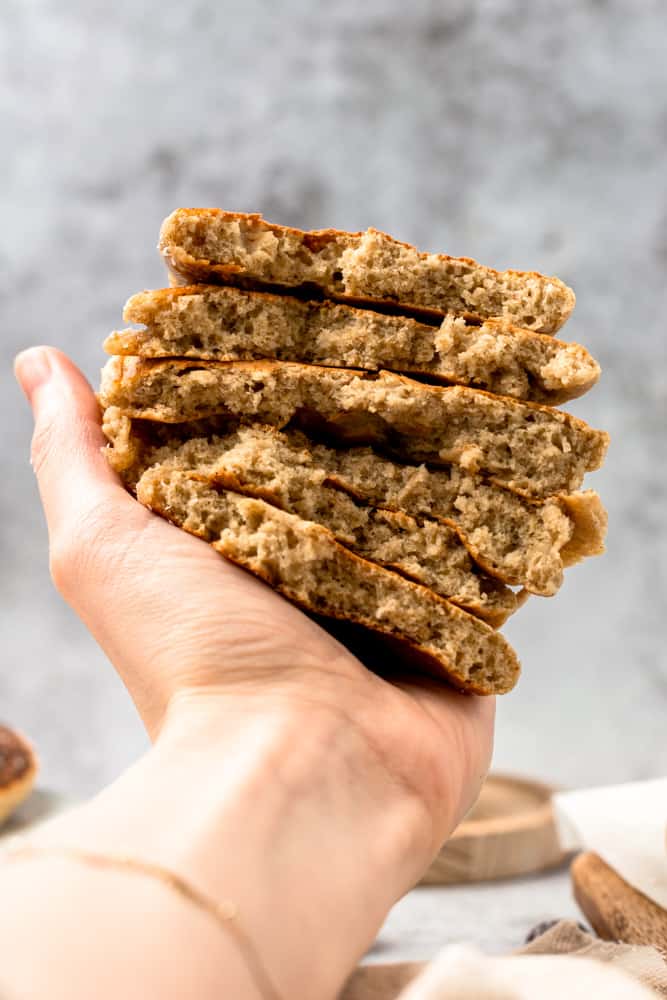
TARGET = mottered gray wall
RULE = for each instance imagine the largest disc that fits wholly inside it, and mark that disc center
(523, 134)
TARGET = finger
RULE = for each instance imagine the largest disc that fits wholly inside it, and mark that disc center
(92, 521)
(88, 512)
(72, 473)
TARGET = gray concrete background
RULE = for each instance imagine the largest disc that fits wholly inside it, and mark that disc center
(524, 134)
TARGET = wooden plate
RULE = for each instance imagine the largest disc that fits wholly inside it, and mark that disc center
(509, 831)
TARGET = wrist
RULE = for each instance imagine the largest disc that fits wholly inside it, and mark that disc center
(301, 825)
(285, 810)
(290, 760)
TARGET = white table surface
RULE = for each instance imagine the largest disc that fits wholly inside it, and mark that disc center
(496, 916)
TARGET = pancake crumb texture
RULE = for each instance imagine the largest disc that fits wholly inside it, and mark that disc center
(427, 551)
(520, 542)
(231, 324)
(532, 449)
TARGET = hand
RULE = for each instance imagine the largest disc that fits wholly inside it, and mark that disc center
(210, 655)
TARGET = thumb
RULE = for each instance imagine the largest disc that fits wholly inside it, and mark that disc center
(93, 522)
(72, 473)
(90, 516)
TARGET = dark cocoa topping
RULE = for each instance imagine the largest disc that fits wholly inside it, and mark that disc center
(15, 757)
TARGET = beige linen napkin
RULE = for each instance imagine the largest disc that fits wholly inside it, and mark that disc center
(563, 962)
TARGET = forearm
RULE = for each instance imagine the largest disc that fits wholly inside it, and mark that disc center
(70, 931)
(291, 818)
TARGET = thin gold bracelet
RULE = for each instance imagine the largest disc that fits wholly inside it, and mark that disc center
(225, 913)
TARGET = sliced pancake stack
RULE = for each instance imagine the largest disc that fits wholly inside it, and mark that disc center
(368, 428)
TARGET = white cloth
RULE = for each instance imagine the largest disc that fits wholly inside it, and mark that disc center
(626, 825)
(564, 962)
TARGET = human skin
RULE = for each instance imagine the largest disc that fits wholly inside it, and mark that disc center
(283, 774)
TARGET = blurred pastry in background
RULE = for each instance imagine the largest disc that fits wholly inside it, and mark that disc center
(18, 770)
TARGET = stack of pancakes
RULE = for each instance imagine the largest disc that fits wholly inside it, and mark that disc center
(368, 428)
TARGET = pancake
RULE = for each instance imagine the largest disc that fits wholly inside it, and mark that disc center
(232, 324)
(304, 562)
(208, 245)
(531, 449)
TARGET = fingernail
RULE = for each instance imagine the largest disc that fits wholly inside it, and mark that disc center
(32, 369)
